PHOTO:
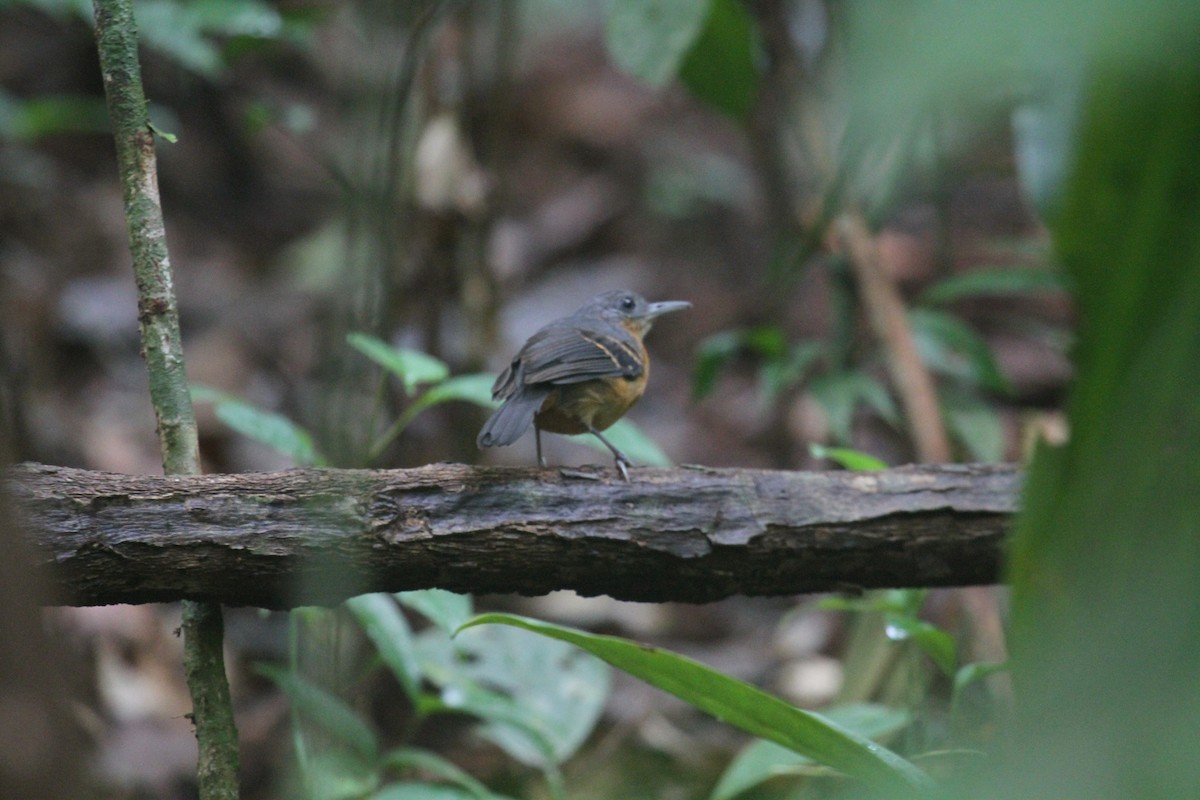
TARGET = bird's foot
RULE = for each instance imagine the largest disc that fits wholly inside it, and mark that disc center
(623, 465)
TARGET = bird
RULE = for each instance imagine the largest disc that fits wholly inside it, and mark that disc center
(578, 374)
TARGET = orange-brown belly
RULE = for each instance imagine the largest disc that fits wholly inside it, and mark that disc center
(599, 403)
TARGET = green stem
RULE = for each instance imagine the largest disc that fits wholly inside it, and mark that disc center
(158, 319)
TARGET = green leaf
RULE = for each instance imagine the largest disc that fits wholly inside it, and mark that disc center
(445, 609)
(648, 38)
(848, 458)
(839, 395)
(475, 388)
(413, 367)
(994, 281)
(522, 685)
(266, 427)
(713, 353)
(741, 705)
(976, 671)
(326, 710)
(974, 424)
(777, 375)
(720, 67)
(767, 341)
(937, 644)
(335, 774)
(762, 760)
(386, 626)
(416, 790)
(951, 347)
(418, 760)
(631, 440)
(47, 115)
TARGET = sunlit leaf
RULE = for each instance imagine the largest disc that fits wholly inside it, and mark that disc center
(976, 671)
(475, 388)
(975, 424)
(385, 625)
(266, 427)
(839, 395)
(445, 609)
(720, 67)
(741, 705)
(763, 760)
(426, 761)
(631, 440)
(712, 354)
(540, 698)
(648, 38)
(327, 710)
(416, 790)
(413, 367)
(848, 458)
(937, 644)
(951, 347)
(989, 281)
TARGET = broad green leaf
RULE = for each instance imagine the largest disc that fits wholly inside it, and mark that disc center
(334, 774)
(720, 66)
(416, 790)
(976, 671)
(413, 367)
(520, 684)
(839, 395)
(848, 458)
(777, 375)
(445, 609)
(475, 388)
(266, 427)
(937, 644)
(326, 710)
(631, 440)
(1106, 553)
(386, 626)
(951, 347)
(994, 281)
(975, 425)
(741, 705)
(416, 759)
(762, 760)
(648, 38)
(713, 353)
(47, 115)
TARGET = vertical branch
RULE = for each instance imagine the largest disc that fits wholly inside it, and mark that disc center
(158, 320)
(885, 309)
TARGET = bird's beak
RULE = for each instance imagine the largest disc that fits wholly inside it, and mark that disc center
(666, 307)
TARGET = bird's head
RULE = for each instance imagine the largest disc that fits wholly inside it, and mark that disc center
(631, 310)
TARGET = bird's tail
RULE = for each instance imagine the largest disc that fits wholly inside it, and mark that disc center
(512, 419)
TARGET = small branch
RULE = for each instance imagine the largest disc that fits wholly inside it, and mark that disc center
(885, 309)
(158, 320)
(303, 537)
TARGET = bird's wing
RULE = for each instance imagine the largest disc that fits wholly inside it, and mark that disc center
(576, 353)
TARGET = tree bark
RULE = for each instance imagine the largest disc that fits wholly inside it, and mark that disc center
(314, 537)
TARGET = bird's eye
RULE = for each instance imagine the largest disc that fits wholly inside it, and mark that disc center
(627, 303)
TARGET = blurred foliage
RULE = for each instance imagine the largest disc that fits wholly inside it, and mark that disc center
(536, 699)
(414, 370)
(203, 36)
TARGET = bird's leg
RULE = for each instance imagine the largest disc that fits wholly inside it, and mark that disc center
(623, 462)
(537, 437)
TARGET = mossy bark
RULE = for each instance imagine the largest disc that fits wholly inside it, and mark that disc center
(158, 319)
